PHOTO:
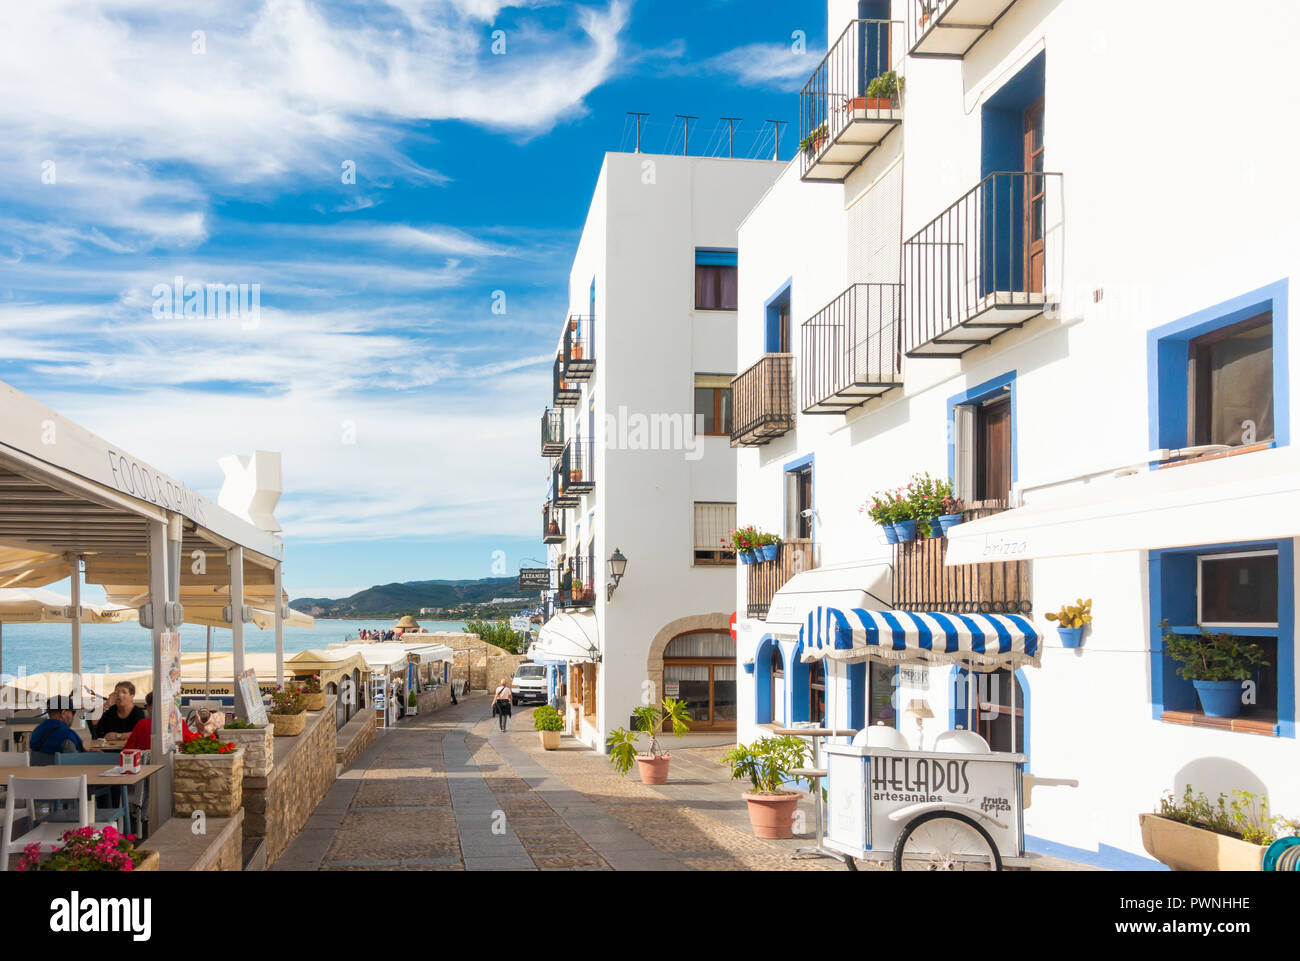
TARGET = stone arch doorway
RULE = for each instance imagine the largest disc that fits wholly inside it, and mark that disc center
(702, 666)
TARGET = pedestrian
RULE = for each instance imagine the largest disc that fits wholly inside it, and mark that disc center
(501, 702)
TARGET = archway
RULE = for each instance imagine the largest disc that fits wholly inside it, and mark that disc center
(665, 635)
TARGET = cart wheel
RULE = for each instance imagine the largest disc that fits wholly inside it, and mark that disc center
(945, 841)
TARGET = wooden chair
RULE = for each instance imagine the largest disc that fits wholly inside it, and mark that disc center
(48, 834)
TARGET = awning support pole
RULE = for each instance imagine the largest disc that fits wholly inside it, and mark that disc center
(236, 559)
(207, 666)
(279, 624)
(162, 793)
(75, 620)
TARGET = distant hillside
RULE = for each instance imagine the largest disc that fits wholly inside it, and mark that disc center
(409, 597)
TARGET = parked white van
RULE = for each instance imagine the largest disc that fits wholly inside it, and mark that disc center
(529, 684)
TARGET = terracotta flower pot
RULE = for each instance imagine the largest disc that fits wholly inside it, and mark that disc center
(575, 352)
(879, 103)
(772, 815)
(653, 770)
(289, 725)
(550, 739)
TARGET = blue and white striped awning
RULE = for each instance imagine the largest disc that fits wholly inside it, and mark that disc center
(981, 642)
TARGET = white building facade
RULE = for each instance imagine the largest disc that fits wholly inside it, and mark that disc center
(1043, 271)
(635, 437)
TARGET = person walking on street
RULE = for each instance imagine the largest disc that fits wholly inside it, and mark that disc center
(501, 702)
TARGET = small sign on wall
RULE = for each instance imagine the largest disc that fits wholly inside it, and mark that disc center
(916, 678)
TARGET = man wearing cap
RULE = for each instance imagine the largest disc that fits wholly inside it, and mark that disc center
(55, 735)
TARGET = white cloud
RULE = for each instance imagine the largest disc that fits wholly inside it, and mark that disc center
(772, 65)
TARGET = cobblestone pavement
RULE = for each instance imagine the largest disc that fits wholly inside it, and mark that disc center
(450, 792)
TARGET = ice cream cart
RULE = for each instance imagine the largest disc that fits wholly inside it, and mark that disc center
(957, 806)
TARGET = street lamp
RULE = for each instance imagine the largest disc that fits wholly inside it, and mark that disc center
(617, 567)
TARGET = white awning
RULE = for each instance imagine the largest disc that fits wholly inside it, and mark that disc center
(434, 652)
(845, 587)
(568, 636)
(35, 605)
(1234, 499)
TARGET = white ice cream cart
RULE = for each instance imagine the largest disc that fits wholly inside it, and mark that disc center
(959, 806)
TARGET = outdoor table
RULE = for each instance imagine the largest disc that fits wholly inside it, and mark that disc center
(95, 777)
(814, 775)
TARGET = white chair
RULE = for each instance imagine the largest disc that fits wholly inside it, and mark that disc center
(14, 759)
(48, 834)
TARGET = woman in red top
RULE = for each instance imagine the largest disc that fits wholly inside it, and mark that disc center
(141, 738)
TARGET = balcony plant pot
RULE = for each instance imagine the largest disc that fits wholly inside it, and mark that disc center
(746, 557)
(1071, 637)
(289, 725)
(575, 476)
(880, 103)
(550, 740)
(552, 528)
(769, 552)
(816, 146)
(575, 352)
(749, 667)
(772, 815)
(1186, 847)
(1219, 698)
(949, 521)
(653, 770)
(935, 529)
(906, 531)
(925, 19)
(891, 535)
(314, 702)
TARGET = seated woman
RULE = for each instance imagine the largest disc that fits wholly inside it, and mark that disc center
(55, 735)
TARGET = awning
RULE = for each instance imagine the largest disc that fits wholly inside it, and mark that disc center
(981, 642)
(35, 605)
(1231, 500)
(433, 652)
(865, 585)
(568, 637)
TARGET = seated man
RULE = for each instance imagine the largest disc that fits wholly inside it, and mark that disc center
(55, 735)
(120, 713)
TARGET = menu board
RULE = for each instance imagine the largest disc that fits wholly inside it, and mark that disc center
(169, 693)
(251, 696)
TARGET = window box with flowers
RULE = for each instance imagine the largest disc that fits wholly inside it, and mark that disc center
(288, 713)
(207, 776)
(89, 849)
(313, 698)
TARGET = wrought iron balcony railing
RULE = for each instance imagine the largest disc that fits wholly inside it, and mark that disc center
(577, 468)
(561, 497)
(577, 587)
(762, 401)
(987, 264)
(552, 432)
(567, 393)
(850, 349)
(579, 347)
(923, 582)
(948, 29)
(552, 524)
(765, 579)
(844, 114)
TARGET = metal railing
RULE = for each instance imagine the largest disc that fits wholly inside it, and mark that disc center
(566, 393)
(850, 349)
(579, 347)
(552, 524)
(577, 467)
(762, 401)
(993, 248)
(552, 432)
(838, 87)
(577, 586)
(561, 496)
(765, 579)
(950, 28)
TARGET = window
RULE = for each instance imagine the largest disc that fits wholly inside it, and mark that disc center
(982, 450)
(713, 523)
(1230, 384)
(799, 502)
(715, 279)
(713, 405)
(1237, 590)
(817, 691)
(700, 669)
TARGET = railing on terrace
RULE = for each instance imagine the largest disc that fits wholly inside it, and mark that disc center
(923, 582)
(579, 347)
(762, 401)
(577, 587)
(765, 579)
(850, 349)
(577, 467)
(839, 124)
(561, 496)
(987, 264)
(948, 29)
(552, 432)
(552, 524)
(566, 393)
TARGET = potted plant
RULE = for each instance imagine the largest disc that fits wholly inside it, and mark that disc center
(313, 698)
(952, 511)
(768, 763)
(1071, 620)
(769, 546)
(749, 666)
(552, 526)
(815, 140)
(927, 11)
(91, 849)
(925, 503)
(648, 719)
(589, 595)
(1216, 664)
(882, 90)
(743, 540)
(287, 712)
(412, 704)
(1195, 834)
(257, 741)
(905, 523)
(575, 475)
(208, 775)
(881, 512)
(549, 725)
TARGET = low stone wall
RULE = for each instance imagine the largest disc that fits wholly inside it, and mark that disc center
(219, 848)
(503, 665)
(354, 737)
(278, 805)
(434, 698)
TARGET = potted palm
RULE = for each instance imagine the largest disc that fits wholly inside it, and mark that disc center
(648, 719)
(288, 712)
(768, 764)
(549, 724)
(1071, 620)
(1216, 664)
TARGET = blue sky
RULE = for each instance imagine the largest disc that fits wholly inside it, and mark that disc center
(210, 140)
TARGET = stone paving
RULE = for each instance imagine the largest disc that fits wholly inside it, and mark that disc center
(450, 792)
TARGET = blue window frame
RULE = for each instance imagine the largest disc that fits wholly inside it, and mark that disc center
(1173, 598)
(777, 311)
(795, 467)
(1167, 363)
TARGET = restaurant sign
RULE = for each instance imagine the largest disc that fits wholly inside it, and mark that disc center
(534, 578)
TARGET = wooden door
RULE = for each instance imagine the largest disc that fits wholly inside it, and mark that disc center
(783, 328)
(1035, 201)
(993, 451)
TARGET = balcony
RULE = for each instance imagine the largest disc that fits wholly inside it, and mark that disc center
(952, 27)
(552, 432)
(986, 265)
(851, 349)
(561, 497)
(763, 401)
(767, 578)
(923, 582)
(567, 393)
(577, 474)
(552, 524)
(841, 119)
(579, 348)
(577, 588)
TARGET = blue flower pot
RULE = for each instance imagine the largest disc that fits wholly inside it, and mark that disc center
(1071, 637)
(891, 535)
(947, 521)
(936, 530)
(749, 668)
(768, 552)
(906, 531)
(1219, 698)
(746, 557)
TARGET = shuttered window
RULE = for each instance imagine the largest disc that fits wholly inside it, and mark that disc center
(714, 522)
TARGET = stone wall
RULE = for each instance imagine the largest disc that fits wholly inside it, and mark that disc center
(277, 806)
(434, 698)
(258, 745)
(470, 663)
(211, 783)
(219, 848)
(501, 665)
(354, 737)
